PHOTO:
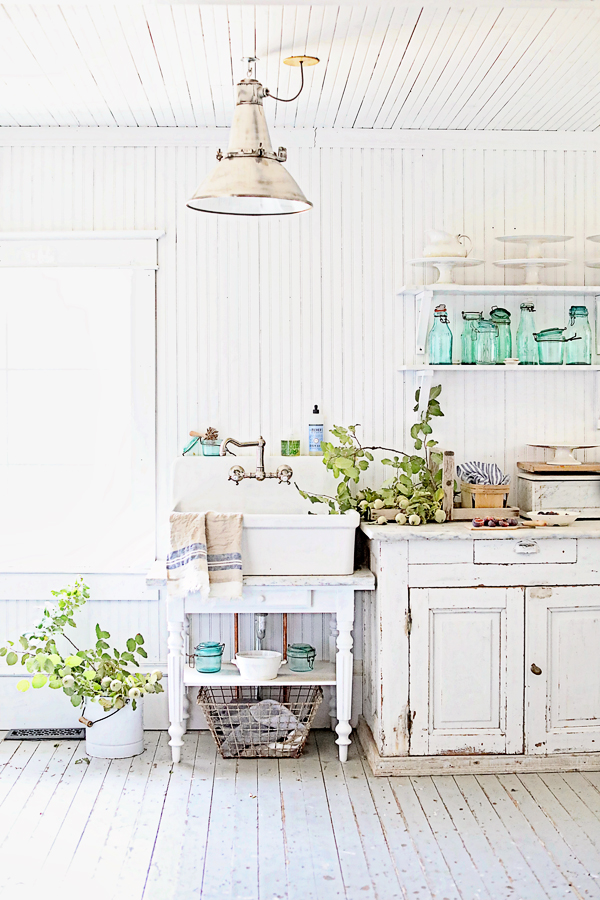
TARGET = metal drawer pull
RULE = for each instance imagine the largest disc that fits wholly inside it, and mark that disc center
(527, 547)
(535, 669)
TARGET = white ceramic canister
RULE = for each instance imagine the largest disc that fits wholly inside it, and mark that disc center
(115, 736)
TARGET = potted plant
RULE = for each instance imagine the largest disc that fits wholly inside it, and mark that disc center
(414, 493)
(95, 676)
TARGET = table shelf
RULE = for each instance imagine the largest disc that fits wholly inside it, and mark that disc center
(322, 674)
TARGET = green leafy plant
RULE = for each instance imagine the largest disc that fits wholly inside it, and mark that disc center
(415, 488)
(95, 674)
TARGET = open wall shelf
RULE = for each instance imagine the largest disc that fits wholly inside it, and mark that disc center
(456, 367)
(531, 289)
(427, 294)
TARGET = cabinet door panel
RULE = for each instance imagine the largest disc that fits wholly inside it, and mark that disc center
(563, 640)
(466, 665)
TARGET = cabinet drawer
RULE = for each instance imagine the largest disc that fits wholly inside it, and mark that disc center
(283, 600)
(525, 550)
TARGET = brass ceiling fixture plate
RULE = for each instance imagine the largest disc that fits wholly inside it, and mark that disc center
(301, 60)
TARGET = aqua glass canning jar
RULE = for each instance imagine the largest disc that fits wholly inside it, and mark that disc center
(469, 337)
(527, 348)
(301, 657)
(487, 343)
(551, 346)
(579, 353)
(501, 318)
(208, 656)
(439, 341)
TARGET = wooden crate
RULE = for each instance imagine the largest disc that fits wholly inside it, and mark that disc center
(478, 496)
(466, 514)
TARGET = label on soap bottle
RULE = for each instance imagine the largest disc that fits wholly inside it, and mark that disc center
(315, 436)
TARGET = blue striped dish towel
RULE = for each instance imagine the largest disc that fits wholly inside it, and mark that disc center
(206, 555)
(481, 473)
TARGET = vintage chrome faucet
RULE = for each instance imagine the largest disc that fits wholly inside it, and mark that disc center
(237, 473)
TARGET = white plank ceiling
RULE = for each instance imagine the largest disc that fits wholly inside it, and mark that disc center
(386, 67)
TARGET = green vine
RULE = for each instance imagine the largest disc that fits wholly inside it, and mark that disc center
(415, 488)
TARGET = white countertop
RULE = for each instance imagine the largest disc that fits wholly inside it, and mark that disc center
(361, 579)
(458, 531)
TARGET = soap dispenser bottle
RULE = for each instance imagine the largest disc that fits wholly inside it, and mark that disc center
(315, 433)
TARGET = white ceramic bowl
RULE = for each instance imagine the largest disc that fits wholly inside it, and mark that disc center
(564, 517)
(258, 665)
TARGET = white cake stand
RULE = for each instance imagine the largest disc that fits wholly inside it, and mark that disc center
(446, 265)
(532, 267)
(535, 242)
(563, 452)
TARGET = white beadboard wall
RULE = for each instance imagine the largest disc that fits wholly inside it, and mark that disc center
(257, 320)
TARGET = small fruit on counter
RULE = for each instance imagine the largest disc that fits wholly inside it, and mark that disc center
(401, 519)
(382, 520)
(414, 519)
(379, 504)
(439, 516)
(493, 522)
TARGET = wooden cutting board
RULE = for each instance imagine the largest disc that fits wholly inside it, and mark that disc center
(542, 468)
(472, 527)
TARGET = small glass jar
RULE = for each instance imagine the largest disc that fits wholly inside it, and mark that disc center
(579, 352)
(468, 337)
(208, 656)
(290, 447)
(211, 448)
(501, 318)
(301, 657)
(439, 341)
(487, 343)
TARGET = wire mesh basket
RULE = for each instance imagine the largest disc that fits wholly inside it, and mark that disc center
(260, 721)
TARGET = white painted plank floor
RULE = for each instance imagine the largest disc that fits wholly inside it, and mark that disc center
(307, 829)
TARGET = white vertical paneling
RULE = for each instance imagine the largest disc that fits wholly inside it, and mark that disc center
(258, 320)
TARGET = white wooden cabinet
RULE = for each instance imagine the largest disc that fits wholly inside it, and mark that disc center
(480, 657)
(466, 670)
(562, 669)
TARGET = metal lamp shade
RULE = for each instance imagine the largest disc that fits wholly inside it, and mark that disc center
(250, 179)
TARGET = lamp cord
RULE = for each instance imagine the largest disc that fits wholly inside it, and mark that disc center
(295, 97)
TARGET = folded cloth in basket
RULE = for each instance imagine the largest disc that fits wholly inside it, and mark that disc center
(274, 715)
(206, 554)
(481, 473)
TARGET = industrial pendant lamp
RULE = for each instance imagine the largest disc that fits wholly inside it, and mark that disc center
(249, 179)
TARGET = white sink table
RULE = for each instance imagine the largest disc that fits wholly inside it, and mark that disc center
(333, 594)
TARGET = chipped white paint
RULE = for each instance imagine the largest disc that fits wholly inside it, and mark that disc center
(481, 632)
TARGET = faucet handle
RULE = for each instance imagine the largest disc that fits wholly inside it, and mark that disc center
(284, 473)
(236, 474)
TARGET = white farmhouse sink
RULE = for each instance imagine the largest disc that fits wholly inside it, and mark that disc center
(279, 536)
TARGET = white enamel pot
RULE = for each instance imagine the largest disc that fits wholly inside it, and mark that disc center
(258, 665)
(115, 736)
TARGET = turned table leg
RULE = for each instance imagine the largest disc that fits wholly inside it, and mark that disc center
(344, 661)
(175, 669)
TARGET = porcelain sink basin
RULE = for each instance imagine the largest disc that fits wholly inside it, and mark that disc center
(279, 536)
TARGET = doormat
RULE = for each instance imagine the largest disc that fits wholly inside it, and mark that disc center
(45, 734)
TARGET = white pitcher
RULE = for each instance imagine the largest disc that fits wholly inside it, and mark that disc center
(441, 243)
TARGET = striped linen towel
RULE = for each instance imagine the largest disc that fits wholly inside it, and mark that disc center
(206, 555)
(481, 473)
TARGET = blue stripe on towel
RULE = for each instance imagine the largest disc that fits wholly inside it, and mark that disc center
(222, 562)
(185, 555)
